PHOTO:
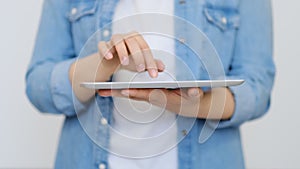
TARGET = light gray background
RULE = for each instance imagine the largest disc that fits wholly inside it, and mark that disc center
(28, 139)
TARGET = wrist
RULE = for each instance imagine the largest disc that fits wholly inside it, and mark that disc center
(107, 68)
(217, 103)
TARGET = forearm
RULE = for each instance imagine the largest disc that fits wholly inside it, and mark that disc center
(217, 103)
(92, 68)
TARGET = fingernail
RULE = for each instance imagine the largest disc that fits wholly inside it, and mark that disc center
(125, 61)
(140, 67)
(125, 92)
(153, 72)
(194, 93)
(109, 55)
(161, 66)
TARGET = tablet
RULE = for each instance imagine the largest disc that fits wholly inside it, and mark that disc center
(161, 84)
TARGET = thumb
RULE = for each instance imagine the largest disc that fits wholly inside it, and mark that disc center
(195, 92)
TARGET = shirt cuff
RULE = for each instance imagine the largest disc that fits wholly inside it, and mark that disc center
(244, 98)
(61, 88)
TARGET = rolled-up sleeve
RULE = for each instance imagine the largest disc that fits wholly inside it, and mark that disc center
(252, 61)
(47, 81)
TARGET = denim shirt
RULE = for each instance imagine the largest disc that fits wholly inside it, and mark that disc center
(241, 32)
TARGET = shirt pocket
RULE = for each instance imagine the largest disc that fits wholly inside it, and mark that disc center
(82, 16)
(223, 18)
(221, 24)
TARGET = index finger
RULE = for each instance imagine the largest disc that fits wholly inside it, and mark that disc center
(149, 59)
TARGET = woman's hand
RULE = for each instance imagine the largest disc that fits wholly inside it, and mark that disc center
(217, 103)
(131, 52)
(184, 102)
(128, 51)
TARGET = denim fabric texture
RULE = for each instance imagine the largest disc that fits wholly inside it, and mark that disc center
(240, 30)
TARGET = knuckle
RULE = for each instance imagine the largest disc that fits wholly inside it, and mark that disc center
(134, 34)
(116, 38)
(129, 40)
(144, 46)
(151, 64)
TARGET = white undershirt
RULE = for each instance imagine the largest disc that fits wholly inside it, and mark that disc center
(152, 120)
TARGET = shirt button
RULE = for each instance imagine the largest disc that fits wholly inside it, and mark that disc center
(74, 11)
(102, 166)
(103, 121)
(224, 20)
(106, 33)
